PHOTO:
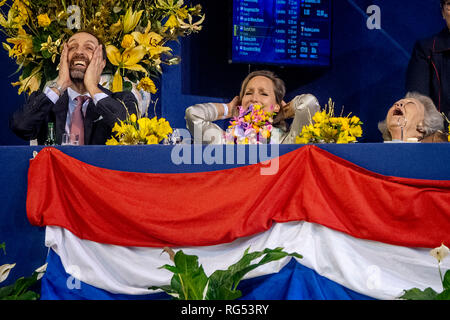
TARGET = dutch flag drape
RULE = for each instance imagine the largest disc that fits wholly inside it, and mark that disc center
(362, 235)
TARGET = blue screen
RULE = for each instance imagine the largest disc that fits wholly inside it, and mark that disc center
(282, 32)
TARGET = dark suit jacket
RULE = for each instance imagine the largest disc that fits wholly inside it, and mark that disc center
(429, 69)
(31, 121)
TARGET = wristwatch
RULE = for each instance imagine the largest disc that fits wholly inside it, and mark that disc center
(55, 85)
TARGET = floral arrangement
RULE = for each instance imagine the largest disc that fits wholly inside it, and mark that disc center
(330, 129)
(135, 33)
(251, 126)
(139, 130)
(429, 294)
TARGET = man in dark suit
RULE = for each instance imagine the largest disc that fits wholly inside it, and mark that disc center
(82, 61)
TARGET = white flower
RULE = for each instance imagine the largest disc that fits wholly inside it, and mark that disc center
(4, 271)
(41, 270)
(440, 252)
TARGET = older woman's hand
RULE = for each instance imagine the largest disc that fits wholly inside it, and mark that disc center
(288, 110)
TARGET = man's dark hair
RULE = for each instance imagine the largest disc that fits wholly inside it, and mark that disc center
(442, 3)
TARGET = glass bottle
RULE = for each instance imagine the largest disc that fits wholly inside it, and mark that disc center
(50, 135)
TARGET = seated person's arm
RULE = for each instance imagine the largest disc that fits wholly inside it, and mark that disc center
(199, 120)
(30, 120)
(302, 108)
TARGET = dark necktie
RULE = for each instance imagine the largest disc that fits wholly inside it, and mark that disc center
(77, 124)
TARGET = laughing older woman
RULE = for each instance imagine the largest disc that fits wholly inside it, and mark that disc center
(413, 117)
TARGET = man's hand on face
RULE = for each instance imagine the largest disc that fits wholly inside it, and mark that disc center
(64, 80)
(94, 71)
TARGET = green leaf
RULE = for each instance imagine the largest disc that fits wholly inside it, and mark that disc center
(50, 72)
(46, 54)
(6, 291)
(446, 282)
(127, 86)
(231, 277)
(417, 294)
(27, 70)
(29, 295)
(167, 289)
(37, 41)
(444, 295)
(190, 280)
(225, 293)
(19, 289)
(170, 268)
(3, 247)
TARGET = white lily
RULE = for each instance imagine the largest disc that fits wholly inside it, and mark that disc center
(440, 252)
(191, 27)
(41, 270)
(4, 271)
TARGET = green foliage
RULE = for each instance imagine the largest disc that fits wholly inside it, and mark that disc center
(19, 290)
(429, 293)
(190, 282)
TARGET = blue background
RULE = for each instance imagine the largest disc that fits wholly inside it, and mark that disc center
(366, 76)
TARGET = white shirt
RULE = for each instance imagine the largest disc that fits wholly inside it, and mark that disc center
(72, 102)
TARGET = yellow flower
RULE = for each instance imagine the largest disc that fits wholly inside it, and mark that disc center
(319, 117)
(164, 128)
(182, 13)
(152, 139)
(356, 131)
(2, 2)
(20, 12)
(17, 16)
(145, 125)
(133, 118)
(51, 47)
(344, 124)
(127, 41)
(265, 134)
(150, 41)
(30, 83)
(147, 84)
(131, 19)
(23, 44)
(172, 22)
(43, 20)
(127, 60)
(112, 142)
(119, 128)
(155, 51)
(301, 140)
(116, 27)
(355, 120)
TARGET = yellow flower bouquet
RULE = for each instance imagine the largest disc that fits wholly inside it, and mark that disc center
(139, 130)
(136, 35)
(330, 129)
